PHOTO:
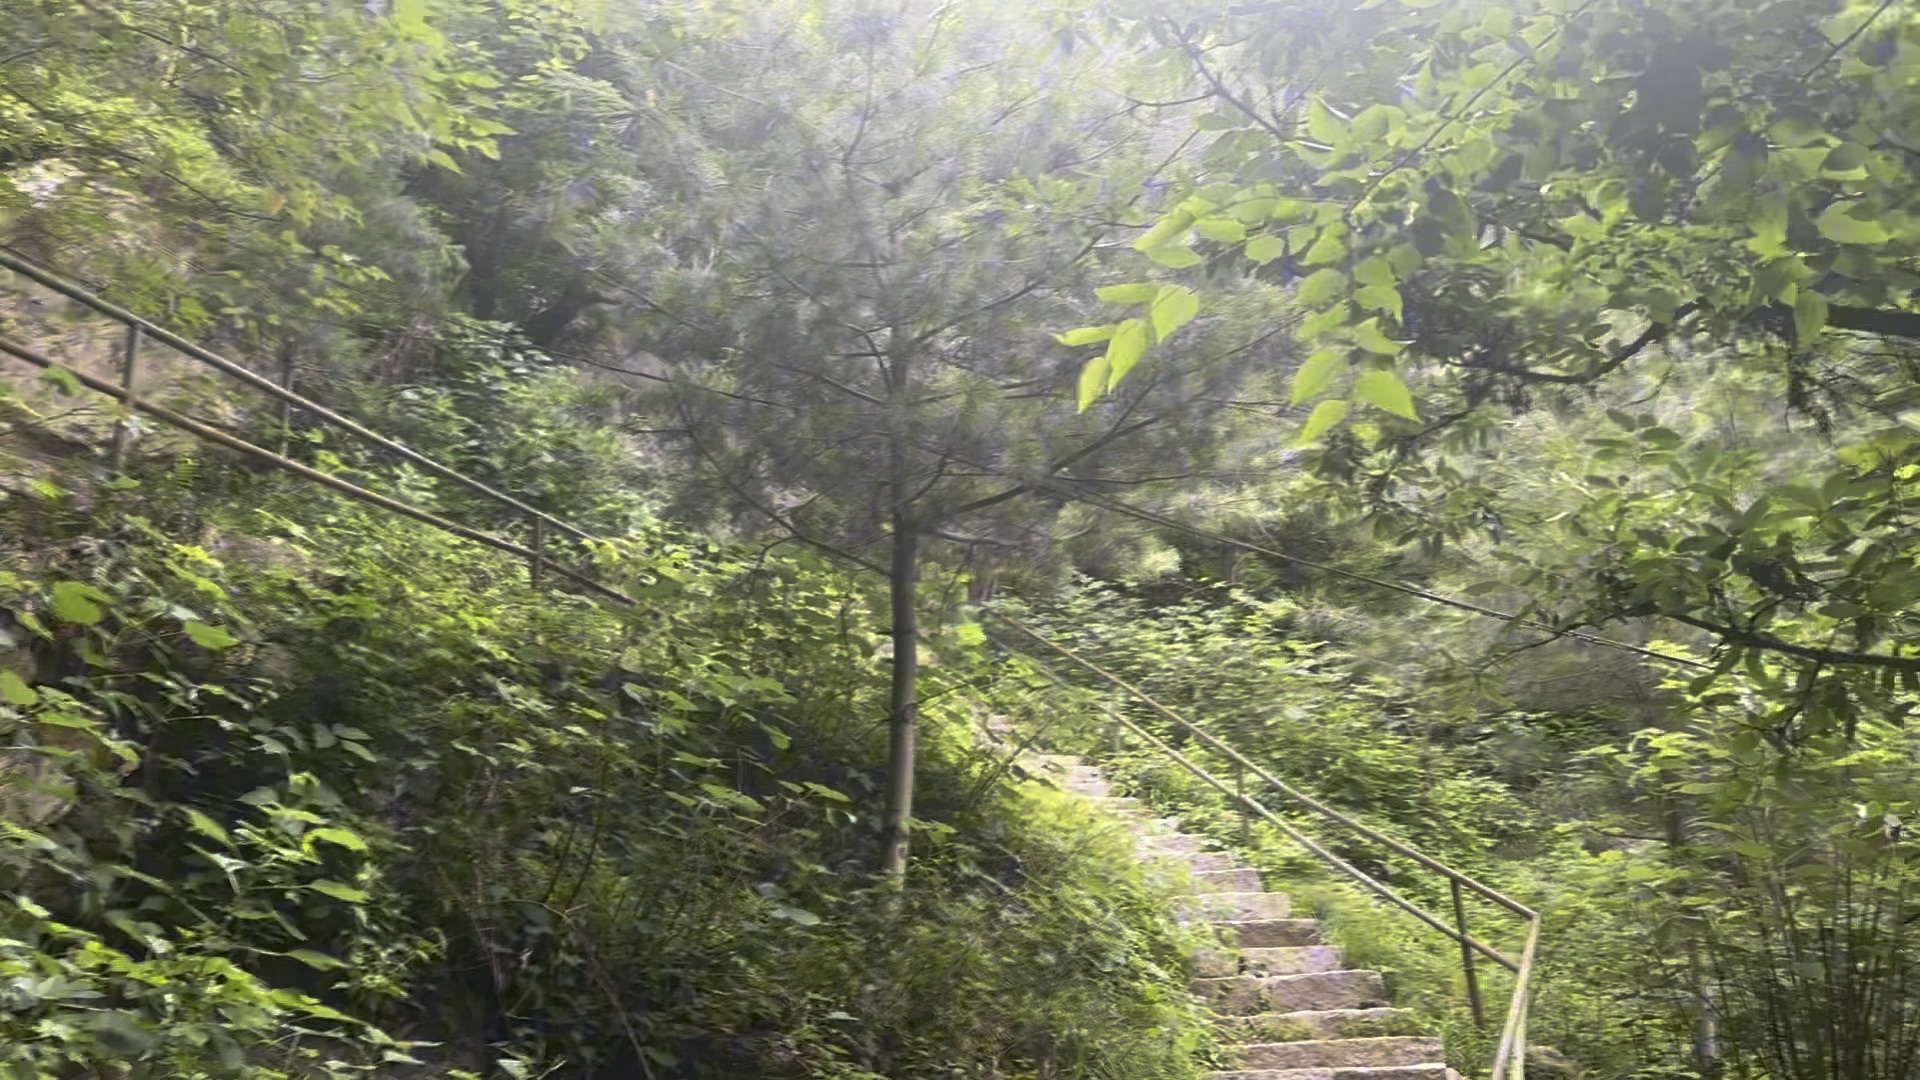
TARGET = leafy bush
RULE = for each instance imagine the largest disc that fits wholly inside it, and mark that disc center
(286, 776)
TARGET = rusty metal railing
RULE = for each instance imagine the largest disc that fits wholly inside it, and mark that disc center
(1509, 1062)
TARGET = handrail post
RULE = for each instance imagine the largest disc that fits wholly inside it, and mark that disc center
(1240, 801)
(286, 383)
(1466, 959)
(129, 375)
(535, 564)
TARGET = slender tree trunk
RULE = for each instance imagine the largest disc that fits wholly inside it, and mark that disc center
(903, 572)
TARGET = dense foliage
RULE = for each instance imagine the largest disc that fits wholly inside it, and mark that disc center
(1493, 416)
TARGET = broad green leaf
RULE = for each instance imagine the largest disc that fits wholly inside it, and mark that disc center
(208, 827)
(1809, 315)
(77, 603)
(1087, 335)
(1323, 123)
(1384, 390)
(1369, 337)
(1317, 374)
(1324, 416)
(1129, 344)
(797, 916)
(15, 691)
(1331, 247)
(1266, 248)
(1174, 308)
(1137, 292)
(1221, 230)
(210, 637)
(1842, 228)
(1381, 298)
(1321, 287)
(1093, 381)
(318, 961)
(343, 837)
(1375, 270)
(341, 891)
(1168, 230)
(1175, 258)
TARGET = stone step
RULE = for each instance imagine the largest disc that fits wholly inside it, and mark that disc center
(1093, 788)
(1245, 995)
(1234, 906)
(1320, 1024)
(1392, 1072)
(1120, 804)
(1202, 861)
(1220, 963)
(1298, 960)
(1340, 1053)
(1173, 844)
(1269, 933)
(1244, 879)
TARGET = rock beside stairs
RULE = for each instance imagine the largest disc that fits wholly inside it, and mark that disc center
(1290, 1007)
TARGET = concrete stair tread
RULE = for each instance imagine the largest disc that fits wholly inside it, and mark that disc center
(1249, 994)
(1310, 1024)
(1243, 879)
(1430, 1071)
(1270, 933)
(1380, 1052)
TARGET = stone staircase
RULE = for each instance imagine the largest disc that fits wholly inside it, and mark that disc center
(1292, 1008)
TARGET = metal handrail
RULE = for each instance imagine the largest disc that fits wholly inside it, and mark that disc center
(1509, 1061)
(267, 386)
(537, 559)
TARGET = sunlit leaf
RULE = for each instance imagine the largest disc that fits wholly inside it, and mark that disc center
(1322, 420)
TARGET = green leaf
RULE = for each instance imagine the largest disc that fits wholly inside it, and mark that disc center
(1321, 287)
(1166, 231)
(797, 916)
(1809, 315)
(344, 837)
(1175, 258)
(318, 961)
(1369, 337)
(443, 159)
(1843, 228)
(1375, 270)
(77, 603)
(341, 891)
(1093, 381)
(1324, 416)
(1317, 374)
(1323, 123)
(210, 637)
(1384, 390)
(1129, 344)
(1221, 230)
(15, 691)
(1265, 248)
(208, 827)
(1173, 308)
(1139, 292)
(1381, 298)
(1087, 335)
(1331, 247)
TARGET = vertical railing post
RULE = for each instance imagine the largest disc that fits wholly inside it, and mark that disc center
(1466, 959)
(286, 383)
(129, 377)
(536, 564)
(1240, 801)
